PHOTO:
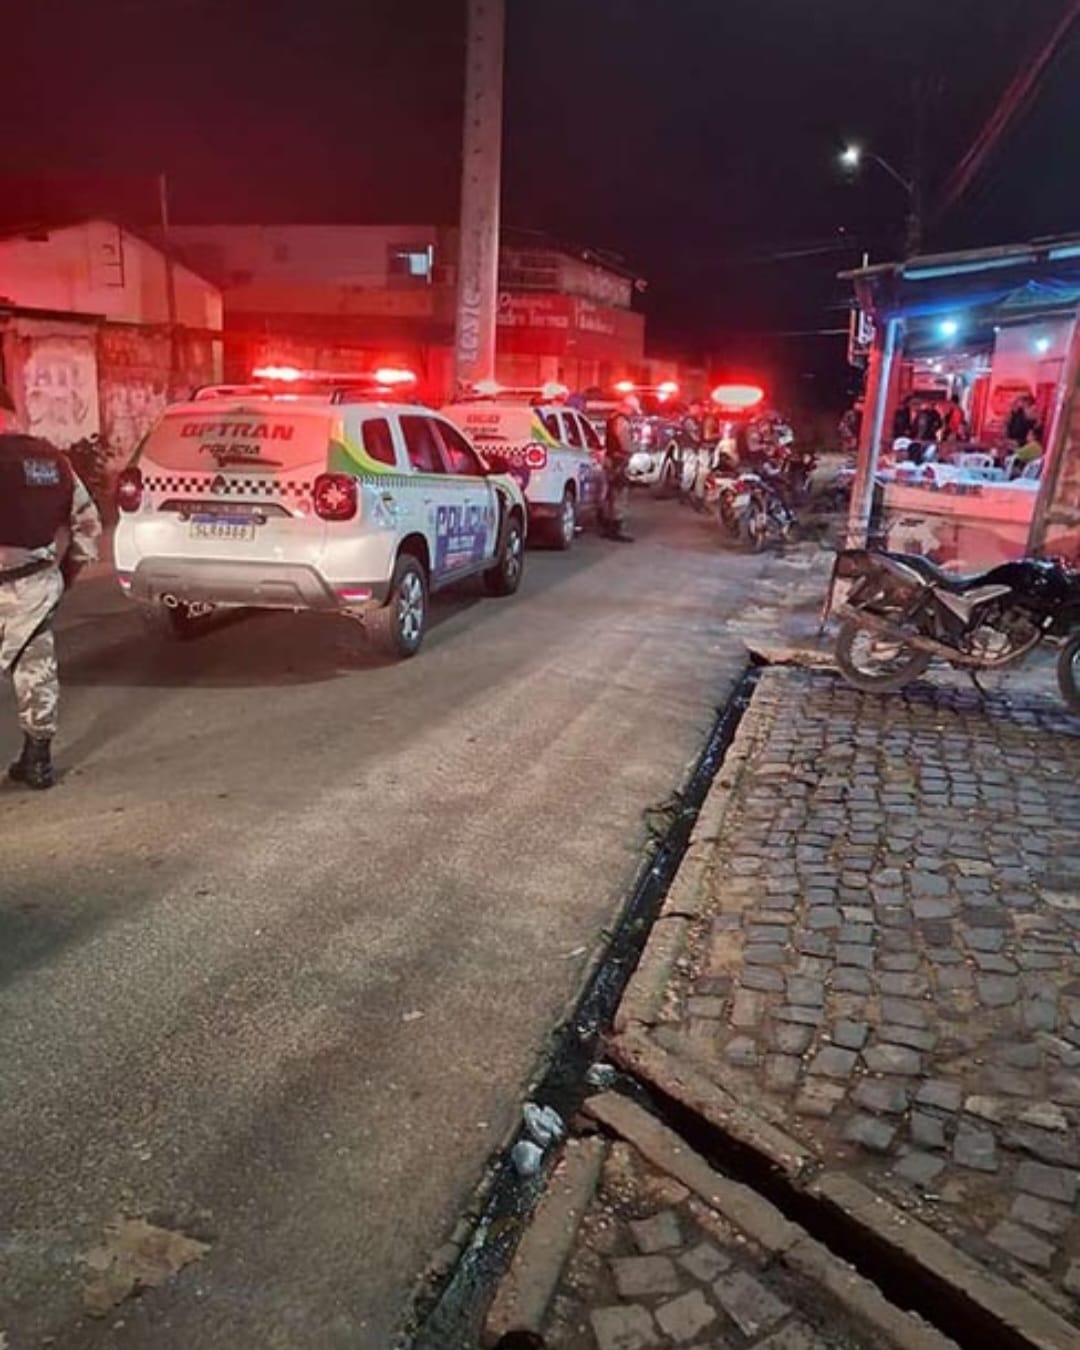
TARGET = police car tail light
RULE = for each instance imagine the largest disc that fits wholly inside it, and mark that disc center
(535, 457)
(334, 496)
(129, 489)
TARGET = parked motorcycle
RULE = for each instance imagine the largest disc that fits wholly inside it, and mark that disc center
(748, 508)
(696, 462)
(903, 610)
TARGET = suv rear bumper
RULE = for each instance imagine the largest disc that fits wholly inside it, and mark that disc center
(242, 583)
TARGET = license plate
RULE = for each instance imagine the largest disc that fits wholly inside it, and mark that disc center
(222, 529)
(743, 499)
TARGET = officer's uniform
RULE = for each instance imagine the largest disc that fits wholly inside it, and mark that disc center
(618, 448)
(49, 528)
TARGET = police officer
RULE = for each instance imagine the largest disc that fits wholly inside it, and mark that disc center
(618, 447)
(48, 531)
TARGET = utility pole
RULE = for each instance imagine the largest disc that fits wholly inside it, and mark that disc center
(170, 285)
(913, 230)
(478, 250)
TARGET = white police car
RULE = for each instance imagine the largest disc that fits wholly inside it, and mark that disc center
(551, 449)
(304, 491)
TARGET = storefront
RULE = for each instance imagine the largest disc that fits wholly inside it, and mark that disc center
(969, 444)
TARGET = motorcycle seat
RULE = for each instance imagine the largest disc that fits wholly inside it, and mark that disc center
(957, 582)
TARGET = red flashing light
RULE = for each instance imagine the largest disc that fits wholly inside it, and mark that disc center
(738, 397)
(667, 390)
(129, 489)
(391, 375)
(625, 387)
(287, 374)
(334, 496)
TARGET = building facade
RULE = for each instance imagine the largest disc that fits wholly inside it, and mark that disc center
(339, 296)
(87, 345)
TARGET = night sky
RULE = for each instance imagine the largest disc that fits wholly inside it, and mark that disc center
(697, 138)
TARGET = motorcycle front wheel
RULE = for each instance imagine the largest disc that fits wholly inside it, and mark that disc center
(1068, 673)
(875, 664)
(754, 528)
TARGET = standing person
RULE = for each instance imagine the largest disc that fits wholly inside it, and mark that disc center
(903, 423)
(927, 423)
(956, 427)
(1021, 420)
(618, 447)
(48, 532)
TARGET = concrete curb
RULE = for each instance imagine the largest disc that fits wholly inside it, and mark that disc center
(808, 658)
(638, 1054)
(643, 997)
(764, 1224)
(1012, 1307)
(526, 1290)
(910, 1239)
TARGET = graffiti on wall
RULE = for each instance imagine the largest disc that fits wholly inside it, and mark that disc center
(135, 381)
(59, 378)
(128, 411)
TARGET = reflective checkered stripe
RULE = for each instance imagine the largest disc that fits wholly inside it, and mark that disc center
(217, 485)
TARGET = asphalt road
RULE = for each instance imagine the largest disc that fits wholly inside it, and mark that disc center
(280, 953)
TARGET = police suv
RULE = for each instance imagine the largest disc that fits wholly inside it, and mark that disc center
(552, 450)
(305, 491)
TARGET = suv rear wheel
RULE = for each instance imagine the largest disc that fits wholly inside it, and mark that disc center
(398, 627)
(564, 526)
(505, 577)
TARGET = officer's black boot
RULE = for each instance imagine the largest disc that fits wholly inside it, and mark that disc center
(34, 766)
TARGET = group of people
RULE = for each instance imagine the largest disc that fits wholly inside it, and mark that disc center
(931, 420)
(920, 424)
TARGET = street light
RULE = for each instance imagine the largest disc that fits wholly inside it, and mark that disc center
(852, 156)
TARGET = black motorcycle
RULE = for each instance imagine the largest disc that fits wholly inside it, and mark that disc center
(902, 611)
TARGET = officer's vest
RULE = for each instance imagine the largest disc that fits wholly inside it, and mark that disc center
(613, 436)
(37, 487)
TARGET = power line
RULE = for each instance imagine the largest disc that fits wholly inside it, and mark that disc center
(1008, 108)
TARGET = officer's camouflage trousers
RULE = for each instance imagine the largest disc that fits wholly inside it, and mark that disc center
(27, 651)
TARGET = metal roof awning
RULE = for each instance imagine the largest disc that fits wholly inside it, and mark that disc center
(1013, 279)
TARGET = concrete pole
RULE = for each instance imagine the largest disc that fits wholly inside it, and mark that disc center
(879, 383)
(478, 259)
(170, 287)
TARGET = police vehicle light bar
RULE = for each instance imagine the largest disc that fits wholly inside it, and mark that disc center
(665, 390)
(552, 390)
(385, 376)
(738, 397)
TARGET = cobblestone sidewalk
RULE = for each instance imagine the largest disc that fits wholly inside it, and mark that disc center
(652, 1263)
(888, 960)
